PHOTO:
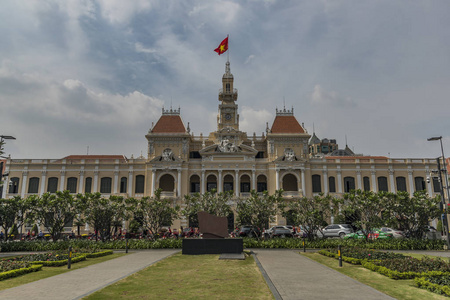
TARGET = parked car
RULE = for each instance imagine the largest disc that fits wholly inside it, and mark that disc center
(396, 234)
(268, 232)
(281, 232)
(335, 230)
(249, 231)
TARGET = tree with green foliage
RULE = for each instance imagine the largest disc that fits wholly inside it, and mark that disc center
(216, 204)
(259, 209)
(101, 213)
(411, 213)
(54, 211)
(155, 212)
(311, 213)
(364, 208)
(12, 212)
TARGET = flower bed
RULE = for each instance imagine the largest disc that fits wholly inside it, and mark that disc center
(51, 259)
(355, 256)
(436, 284)
(8, 265)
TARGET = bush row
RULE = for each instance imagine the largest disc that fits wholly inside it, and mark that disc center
(99, 254)
(435, 284)
(18, 272)
(395, 244)
(58, 263)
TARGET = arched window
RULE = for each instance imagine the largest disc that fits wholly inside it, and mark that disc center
(33, 185)
(349, 184)
(123, 185)
(14, 185)
(227, 87)
(290, 183)
(88, 185)
(382, 184)
(401, 184)
(105, 185)
(228, 183)
(52, 185)
(72, 185)
(195, 184)
(245, 184)
(167, 183)
(261, 184)
(419, 183)
(316, 184)
(140, 183)
(211, 183)
(332, 184)
(366, 182)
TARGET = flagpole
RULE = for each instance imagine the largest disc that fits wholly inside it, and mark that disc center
(228, 52)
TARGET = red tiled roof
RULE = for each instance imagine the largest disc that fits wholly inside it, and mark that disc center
(73, 157)
(286, 124)
(169, 124)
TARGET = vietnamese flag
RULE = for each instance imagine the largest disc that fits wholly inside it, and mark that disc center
(223, 47)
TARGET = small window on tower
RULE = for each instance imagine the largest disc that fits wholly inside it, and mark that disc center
(227, 87)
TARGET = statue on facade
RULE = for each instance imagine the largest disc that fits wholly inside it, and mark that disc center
(289, 154)
(167, 155)
(226, 146)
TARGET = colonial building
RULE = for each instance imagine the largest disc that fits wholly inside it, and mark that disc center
(226, 160)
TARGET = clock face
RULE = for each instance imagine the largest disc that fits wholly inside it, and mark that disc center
(228, 117)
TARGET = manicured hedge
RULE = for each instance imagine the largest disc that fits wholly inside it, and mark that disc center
(288, 243)
(351, 260)
(399, 275)
(426, 283)
(58, 263)
(18, 272)
(99, 254)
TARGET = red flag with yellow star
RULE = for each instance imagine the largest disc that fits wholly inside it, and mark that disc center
(223, 47)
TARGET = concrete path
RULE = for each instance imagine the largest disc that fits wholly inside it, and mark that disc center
(297, 277)
(82, 282)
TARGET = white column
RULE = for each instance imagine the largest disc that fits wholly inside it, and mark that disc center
(253, 180)
(130, 181)
(303, 183)
(81, 183)
(116, 180)
(236, 183)
(411, 182)
(95, 180)
(62, 181)
(220, 187)
(339, 180)
(24, 182)
(429, 182)
(152, 190)
(6, 182)
(374, 181)
(277, 180)
(203, 183)
(391, 180)
(358, 179)
(325, 180)
(179, 183)
(43, 177)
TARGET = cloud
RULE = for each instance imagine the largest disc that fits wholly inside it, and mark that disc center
(254, 120)
(324, 98)
(249, 58)
(141, 49)
(118, 11)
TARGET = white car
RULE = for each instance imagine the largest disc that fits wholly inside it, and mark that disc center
(396, 234)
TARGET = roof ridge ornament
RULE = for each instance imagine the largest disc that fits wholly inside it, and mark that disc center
(285, 112)
(171, 112)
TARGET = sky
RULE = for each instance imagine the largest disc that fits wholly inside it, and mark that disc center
(80, 76)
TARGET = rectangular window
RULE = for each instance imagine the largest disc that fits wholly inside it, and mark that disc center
(332, 184)
(33, 185)
(261, 187)
(366, 182)
(123, 185)
(195, 187)
(88, 185)
(211, 186)
(140, 182)
(419, 184)
(401, 184)
(72, 185)
(382, 184)
(105, 185)
(245, 187)
(349, 184)
(227, 186)
(52, 186)
(316, 184)
(436, 185)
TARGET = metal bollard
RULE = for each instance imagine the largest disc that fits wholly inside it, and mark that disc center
(340, 256)
(126, 245)
(304, 248)
(69, 261)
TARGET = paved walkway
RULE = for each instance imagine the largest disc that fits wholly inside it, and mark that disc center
(82, 282)
(298, 277)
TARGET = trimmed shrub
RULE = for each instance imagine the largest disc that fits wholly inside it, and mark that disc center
(436, 284)
(18, 272)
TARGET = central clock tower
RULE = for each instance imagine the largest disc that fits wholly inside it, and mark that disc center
(228, 116)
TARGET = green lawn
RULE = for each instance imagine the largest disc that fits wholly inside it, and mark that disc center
(399, 289)
(52, 271)
(192, 277)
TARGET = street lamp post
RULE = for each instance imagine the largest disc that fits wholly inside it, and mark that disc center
(443, 169)
(2, 138)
